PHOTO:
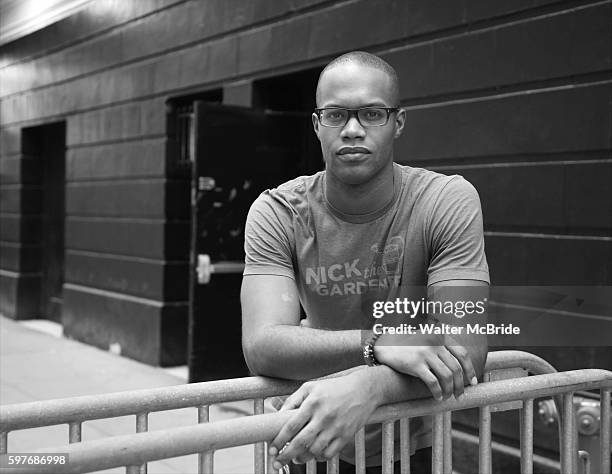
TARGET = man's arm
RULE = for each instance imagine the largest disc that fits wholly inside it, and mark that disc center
(332, 410)
(275, 344)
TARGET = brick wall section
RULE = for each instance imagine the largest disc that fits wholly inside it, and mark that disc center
(513, 95)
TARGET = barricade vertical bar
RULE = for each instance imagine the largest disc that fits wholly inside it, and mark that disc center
(448, 442)
(142, 425)
(437, 461)
(360, 465)
(205, 459)
(526, 415)
(585, 459)
(3, 442)
(74, 432)
(405, 445)
(333, 465)
(604, 438)
(311, 467)
(260, 448)
(387, 447)
(484, 448)
(567, 434)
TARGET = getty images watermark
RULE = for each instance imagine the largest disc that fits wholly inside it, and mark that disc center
(458, 309)
(510, 316)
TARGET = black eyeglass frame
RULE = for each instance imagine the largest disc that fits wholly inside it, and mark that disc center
(355, 112)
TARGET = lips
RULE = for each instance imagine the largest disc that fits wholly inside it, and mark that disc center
(352, 150)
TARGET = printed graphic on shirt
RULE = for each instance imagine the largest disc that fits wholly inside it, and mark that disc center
(382, 270)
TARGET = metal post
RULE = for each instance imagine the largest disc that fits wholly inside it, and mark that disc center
(484, 448)
(526, 415)
(74, 432)
(360, 466)
(448, 442)
(405, 445)
(3, 442)
(437, 461)
(388, 436)
(567, 434)
(333, 465)
(142, 426)
(260, 448)
(311, 467)
(604, 439)
(205, 459)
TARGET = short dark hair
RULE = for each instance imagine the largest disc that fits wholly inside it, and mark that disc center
(366, 59)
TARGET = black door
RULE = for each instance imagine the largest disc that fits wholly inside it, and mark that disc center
(239, 152)
(53, 157)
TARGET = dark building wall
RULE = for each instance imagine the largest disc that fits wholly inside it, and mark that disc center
(513, 95)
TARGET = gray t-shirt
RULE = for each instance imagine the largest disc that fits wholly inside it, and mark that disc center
(430, 232)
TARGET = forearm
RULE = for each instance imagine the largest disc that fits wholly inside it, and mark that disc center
(302, 353)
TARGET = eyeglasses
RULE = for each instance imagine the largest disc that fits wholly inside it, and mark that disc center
(366, 116)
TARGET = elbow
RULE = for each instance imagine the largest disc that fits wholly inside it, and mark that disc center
(256, 357)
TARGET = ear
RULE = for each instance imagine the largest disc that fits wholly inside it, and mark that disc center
(400, 121)
(315, 123)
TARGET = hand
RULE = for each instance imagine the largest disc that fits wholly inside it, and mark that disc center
(439, 361)
(329, 414)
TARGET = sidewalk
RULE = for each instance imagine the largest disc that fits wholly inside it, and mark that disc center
(37, 363)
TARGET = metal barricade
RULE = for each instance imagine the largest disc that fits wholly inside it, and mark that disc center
(135, 450)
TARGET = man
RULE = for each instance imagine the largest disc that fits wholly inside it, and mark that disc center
(362, 232)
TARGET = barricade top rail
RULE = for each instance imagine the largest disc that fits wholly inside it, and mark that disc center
(140, 448)
(92, 407)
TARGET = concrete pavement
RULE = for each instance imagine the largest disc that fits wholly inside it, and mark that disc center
(37, 363)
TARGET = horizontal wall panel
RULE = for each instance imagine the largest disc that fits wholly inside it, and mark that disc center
(122, 122)
(20, 228)
(143, 278)
(122, 160)
(17, 257)
(555, 196)
(20, 169)
(24, 199)
(560, 120)
(148, 199)
(570, 43)
(548, 261)
(20, 295)
(160, 240)
(146, 331)
(93, 20)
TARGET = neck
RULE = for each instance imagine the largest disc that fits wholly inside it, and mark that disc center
(361, 198)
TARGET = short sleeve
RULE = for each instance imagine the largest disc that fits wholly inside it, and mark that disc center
(267, 238)
(456, 235)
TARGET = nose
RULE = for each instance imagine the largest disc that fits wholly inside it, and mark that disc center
(352, 129)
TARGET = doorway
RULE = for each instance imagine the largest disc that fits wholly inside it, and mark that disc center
(47, 145)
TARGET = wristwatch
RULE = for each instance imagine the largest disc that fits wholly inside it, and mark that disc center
(368, 350)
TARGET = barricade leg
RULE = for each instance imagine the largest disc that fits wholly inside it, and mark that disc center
(484, 448)
(526, 415)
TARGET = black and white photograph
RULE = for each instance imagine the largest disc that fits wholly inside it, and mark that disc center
(306, 236)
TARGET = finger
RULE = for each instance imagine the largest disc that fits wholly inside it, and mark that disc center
(443, 374)
(298, 446)
(288, 431)
(431, 381)
(455, 367)
(319, 445)
(334, 448)
(461, 354)
(296, 399)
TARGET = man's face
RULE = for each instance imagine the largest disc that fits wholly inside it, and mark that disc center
(354, 154)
